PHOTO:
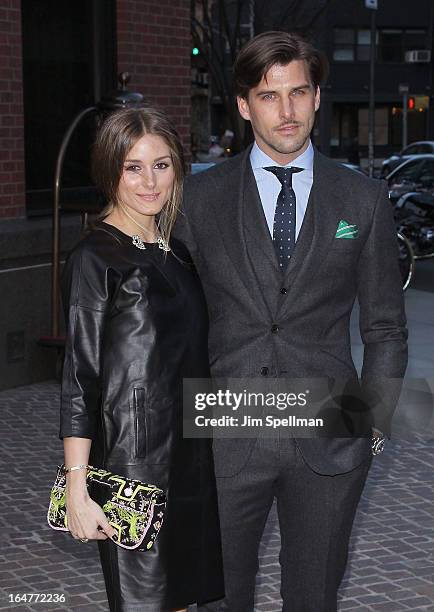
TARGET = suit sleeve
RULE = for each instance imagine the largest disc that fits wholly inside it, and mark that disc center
(85, 295)
(382, 315)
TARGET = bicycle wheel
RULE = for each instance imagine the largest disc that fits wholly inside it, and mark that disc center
(406, 260)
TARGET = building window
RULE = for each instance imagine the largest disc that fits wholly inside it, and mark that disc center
(351, 44)
(344, 131)
(391, 46)
(394, 43)
(381, 136)
(363, 49)
(415, 39)
(350, 126)
(354, 44)
(343, 45)
(68, 62)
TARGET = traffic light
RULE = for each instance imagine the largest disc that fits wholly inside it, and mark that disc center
(195, 51)
(411, 104)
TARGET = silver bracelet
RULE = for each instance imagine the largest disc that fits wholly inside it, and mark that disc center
(377, 445)
(76, 467)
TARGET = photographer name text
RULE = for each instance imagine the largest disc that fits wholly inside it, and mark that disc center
(248, 421)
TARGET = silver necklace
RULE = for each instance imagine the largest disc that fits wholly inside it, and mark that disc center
(138, 241)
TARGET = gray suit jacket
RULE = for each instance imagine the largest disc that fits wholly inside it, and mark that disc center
(224, 227)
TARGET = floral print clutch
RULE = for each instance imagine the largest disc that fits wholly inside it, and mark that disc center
(134, 509)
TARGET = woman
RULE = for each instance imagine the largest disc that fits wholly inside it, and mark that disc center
(137, 325)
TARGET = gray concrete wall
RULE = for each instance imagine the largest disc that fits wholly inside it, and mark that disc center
(25, 294)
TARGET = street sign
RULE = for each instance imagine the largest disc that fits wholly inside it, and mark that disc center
(403, 88)
(371, 4)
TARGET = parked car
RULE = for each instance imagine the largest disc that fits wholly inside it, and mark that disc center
(353, 167)
(420, 147)
(200, 166)
(415, 174)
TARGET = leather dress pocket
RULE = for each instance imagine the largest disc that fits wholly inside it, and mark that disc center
(141, 422)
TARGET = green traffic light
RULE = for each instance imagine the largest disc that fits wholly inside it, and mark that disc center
(195, 51)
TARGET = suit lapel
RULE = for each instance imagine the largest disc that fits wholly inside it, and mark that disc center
(230, 219)
(259, 243)
(254, 220)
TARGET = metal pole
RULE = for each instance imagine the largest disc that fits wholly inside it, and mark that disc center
(56, 222)
(371, 128)
(404, 118)
(430, 71)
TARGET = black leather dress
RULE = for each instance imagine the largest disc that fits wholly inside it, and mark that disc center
(136, 326)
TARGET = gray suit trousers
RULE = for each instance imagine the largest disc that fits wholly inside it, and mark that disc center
(315, 513)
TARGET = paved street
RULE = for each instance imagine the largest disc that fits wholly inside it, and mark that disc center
(423, 278)
(391, 566)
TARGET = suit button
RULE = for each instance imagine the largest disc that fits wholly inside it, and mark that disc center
(284, 291)
(274, 329)
(264, 371)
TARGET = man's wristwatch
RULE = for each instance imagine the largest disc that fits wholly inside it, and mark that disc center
(378, 442)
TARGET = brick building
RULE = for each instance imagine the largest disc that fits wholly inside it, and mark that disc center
(11, 111)
(57, 58)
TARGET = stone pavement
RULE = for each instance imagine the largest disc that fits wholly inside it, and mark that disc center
(391, 564)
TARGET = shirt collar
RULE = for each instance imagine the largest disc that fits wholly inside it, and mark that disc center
(259, 159)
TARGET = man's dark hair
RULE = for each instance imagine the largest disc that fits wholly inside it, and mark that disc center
(265, 50)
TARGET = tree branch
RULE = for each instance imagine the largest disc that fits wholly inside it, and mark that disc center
(237, 29)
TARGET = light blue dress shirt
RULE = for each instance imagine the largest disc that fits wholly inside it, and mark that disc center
(269, 185)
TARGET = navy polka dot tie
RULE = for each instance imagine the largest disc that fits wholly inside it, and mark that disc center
(284, 215)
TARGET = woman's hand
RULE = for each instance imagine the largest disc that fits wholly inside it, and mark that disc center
(85, 518)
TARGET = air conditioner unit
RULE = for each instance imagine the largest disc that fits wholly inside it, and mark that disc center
(418, 56)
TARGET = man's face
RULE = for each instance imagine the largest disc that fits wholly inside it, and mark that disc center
(281, 109)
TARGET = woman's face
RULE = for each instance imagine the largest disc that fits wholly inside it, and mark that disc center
(148, 175)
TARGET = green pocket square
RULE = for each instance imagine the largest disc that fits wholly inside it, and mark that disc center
(346, 230)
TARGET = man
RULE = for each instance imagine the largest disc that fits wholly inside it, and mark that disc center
(284, 240)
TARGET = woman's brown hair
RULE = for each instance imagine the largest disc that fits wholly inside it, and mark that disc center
(116, 136)
(265, 50)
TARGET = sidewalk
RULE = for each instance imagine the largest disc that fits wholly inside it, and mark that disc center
(391, 565)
